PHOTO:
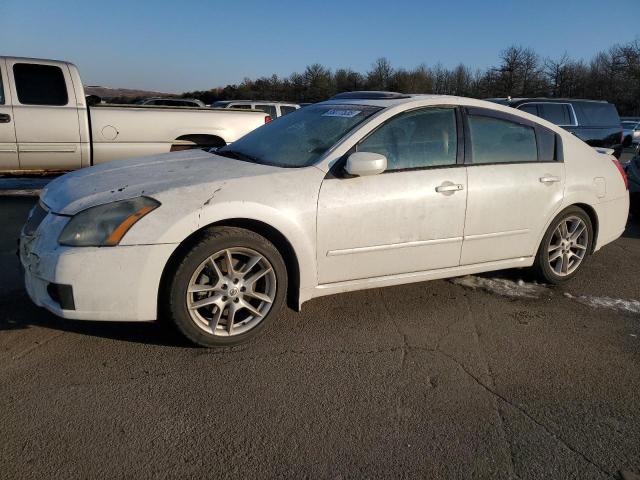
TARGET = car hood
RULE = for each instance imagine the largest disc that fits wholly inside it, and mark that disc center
(122, 179)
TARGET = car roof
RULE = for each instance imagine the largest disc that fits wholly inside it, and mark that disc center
(520, 100)
(409, 98)
(269, 102)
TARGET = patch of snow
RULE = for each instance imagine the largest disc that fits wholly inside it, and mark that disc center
(502, 286)
(618, 304)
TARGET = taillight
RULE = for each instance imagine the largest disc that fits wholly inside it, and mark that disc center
(267, 119)
(623, 173)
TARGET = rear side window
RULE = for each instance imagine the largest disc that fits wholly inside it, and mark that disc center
(495, 140)
(558, 113)
(284, 109)
(40, 84)
(242, 106)
(546, 145)
(530, 108)
(597, 114)
(270, 109)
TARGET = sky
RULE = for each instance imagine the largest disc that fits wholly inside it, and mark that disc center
(176, 46)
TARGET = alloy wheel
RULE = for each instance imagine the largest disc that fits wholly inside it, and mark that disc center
(231, 291)
(568, 246)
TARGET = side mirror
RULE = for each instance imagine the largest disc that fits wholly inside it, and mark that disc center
(361, 164)
(93, 100)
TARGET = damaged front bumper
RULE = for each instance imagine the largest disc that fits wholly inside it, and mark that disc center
(91, 283)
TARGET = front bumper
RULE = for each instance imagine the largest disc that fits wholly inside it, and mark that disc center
(108, 283)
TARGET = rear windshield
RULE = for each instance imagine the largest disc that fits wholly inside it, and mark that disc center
(597, 114)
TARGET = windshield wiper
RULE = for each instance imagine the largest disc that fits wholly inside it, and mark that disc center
(237, 156)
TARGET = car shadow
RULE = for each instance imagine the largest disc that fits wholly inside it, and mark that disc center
(633, 228)
(20, 313)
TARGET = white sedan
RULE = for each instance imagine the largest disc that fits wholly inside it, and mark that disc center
(365, 190)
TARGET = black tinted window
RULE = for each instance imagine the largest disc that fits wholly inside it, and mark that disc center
(558, 113)
(546, 145)
(284, 109)
(40, 84)
(529, 108)
(242, 106)
(597, 114)
(270, 109)
(501, 141)
(422, 138)
(1, 91)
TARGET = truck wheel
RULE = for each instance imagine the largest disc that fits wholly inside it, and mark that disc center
(226, 288)
(564, 247)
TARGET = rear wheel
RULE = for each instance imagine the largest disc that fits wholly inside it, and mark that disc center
(227, 288)
(564, 246)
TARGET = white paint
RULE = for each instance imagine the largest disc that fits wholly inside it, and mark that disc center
(319, 213)
(618, 304)
(56, 137)
(503, 286)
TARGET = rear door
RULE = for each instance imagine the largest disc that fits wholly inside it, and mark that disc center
(515, 178)
(8, 145)
(46, 115)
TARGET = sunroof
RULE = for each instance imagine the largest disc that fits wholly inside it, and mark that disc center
(370, 95)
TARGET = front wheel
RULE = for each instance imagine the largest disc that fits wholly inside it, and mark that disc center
(226, 288)
(564, 246)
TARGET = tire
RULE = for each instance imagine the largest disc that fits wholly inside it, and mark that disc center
(203, 293)
(553, 271)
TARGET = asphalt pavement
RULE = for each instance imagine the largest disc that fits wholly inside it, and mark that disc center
(488, 377)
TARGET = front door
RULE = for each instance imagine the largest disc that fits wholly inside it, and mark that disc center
(8, 145)
(516, 183)
(409, 218)
(46, 115)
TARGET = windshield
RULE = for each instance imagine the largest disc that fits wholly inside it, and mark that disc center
(630, 125)
(300, 138)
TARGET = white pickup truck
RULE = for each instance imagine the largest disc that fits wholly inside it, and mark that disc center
(46, 123)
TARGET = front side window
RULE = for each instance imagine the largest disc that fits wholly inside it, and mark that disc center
(242, 106)
(417, 139)
(494, 140)
(269, 109)
(40, 84)
(300, 138)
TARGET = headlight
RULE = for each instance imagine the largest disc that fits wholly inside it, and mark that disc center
(105, 225)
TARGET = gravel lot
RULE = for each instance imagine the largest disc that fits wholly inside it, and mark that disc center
(487, 377)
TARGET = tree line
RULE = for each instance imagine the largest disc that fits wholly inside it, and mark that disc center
(612, 75)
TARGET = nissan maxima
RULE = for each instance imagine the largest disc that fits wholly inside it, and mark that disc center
(365, 190)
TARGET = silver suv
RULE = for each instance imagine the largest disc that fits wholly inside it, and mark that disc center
(274, 109)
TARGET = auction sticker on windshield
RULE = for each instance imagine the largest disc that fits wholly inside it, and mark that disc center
(341, 113)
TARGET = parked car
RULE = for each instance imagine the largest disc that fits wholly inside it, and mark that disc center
(630, 131)
(46, 123)
(595, 122)
(633, 173)
(368, 189)
(172, 102)
(274, 109)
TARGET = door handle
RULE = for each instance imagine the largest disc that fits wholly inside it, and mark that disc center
(448, 187)
(5, 118)
(549, 179)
